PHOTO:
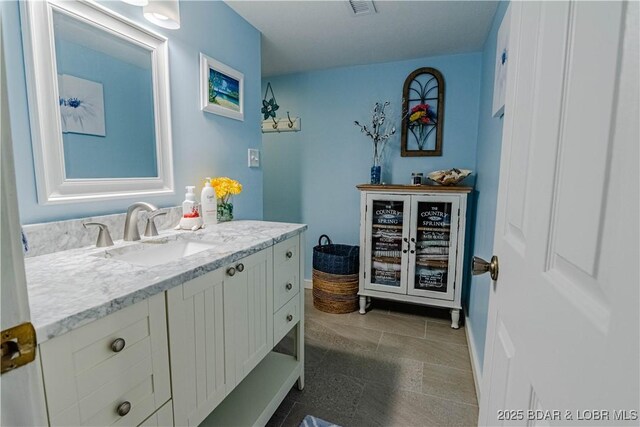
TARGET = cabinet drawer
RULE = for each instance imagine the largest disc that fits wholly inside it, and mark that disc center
(87, 375)
(285, 288)
(285, 319)
(286, 270)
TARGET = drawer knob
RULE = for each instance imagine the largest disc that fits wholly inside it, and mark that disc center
(240, 268)
(289, 317)
(289, 254)
(118, 345)
(289, 286)
(123, 408)
(231, 271)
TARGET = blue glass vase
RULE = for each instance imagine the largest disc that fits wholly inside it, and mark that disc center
(375, 174)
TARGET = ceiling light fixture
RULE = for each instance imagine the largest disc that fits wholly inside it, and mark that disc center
(164, 13)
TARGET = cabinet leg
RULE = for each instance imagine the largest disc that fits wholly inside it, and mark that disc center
(301, 381)
(363, 305)
(455, 318)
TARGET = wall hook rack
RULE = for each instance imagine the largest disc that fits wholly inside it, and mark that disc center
(271, 123)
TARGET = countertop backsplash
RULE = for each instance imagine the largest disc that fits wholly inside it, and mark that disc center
(49, 237)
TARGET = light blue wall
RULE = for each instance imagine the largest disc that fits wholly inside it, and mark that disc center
(310, 176)
(203, 144)
(129, 147)
(488, 167)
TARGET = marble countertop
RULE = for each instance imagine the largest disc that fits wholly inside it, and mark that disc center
(74, 287)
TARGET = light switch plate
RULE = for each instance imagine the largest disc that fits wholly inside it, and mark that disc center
(254, 158)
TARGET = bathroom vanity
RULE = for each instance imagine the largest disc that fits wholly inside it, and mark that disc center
(131, 339)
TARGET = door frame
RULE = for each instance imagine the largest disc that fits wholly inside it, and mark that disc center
(23, 401)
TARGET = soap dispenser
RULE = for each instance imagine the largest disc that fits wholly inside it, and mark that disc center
(189, 201)
(209, 204)
(191, 219)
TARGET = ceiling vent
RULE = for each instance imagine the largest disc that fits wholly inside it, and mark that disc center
(361, 7)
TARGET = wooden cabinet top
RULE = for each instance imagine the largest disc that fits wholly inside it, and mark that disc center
(415, 188)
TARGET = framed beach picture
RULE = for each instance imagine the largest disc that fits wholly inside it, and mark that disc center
(502, 63)
(221, 89)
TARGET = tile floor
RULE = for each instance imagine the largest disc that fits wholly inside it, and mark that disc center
(398, 365)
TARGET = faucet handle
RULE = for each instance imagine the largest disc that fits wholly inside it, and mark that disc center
(150, 230)
(104, 238)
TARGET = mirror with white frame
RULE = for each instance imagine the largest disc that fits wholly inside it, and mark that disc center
(98, 90)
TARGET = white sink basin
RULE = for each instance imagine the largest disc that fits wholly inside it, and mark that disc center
(155, 253)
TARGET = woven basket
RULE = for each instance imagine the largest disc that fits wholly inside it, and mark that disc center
(335, 293)
(334, 258)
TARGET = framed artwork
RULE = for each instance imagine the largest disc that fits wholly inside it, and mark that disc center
(502, 62)
(81, 106)
(221, 89)
(422, 113)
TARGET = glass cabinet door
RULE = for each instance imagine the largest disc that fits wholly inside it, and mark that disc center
(387, 237)
(434, 234)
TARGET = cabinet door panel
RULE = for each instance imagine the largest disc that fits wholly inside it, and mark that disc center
(197, 343)
(249, 317)
(387, 237)
(433, 246)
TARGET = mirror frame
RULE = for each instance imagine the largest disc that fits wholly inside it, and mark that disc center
(42, 90)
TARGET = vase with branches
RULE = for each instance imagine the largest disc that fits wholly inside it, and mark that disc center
(380, 132)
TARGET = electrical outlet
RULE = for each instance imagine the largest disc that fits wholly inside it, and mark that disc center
(254, 158)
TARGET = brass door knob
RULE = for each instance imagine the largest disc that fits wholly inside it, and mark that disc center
(481, 266)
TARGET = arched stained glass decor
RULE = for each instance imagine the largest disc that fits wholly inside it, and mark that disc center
(422, 113)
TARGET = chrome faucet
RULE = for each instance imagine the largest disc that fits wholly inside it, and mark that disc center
(131, 232)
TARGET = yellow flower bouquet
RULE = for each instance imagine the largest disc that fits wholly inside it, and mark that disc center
(225, 188)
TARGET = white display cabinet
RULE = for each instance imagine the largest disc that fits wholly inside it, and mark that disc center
(412, 245)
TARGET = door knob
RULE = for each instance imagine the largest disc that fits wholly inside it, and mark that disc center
(231, 271)
(481, 266)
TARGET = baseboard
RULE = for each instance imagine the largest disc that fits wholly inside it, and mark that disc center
(473, 353)
(308, 284)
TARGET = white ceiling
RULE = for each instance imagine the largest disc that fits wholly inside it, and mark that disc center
(312, 35)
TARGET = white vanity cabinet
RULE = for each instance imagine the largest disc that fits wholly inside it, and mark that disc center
(114, 371)
(221, 329)
(199, 352)
(412, 245)
(221, 326)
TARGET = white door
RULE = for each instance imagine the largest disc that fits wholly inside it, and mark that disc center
(21, 389)
(387, 242)
(563, 317)
(433, 238)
